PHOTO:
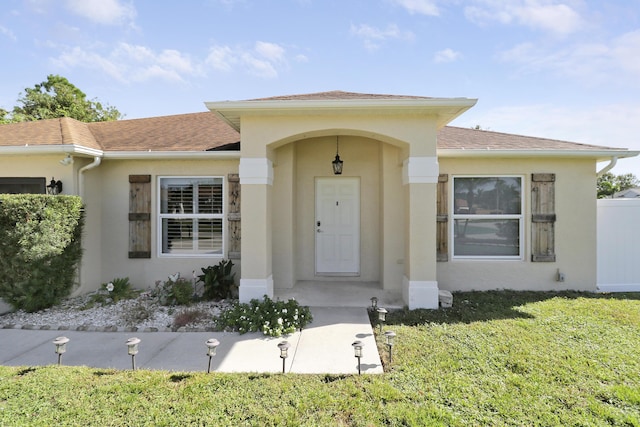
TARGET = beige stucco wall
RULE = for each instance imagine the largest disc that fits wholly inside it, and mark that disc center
(42, 166)
(575, 229)
(107, 200)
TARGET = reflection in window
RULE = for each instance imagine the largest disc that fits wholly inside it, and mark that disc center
(487, 217)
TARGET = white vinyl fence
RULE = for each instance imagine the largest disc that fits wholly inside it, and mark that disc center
(619, 245)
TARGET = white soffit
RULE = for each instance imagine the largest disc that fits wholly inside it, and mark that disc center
(600, 155)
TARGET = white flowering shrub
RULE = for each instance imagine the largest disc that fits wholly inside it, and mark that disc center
(272, 318)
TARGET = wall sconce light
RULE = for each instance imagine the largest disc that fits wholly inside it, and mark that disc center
(337, 163)
(390, 335)
(54, 187)
(382, 316)
(357, 349)
(374, 303)
(284, 352)
(212, 344)
(61, 347)
(67, 160)
(132, 349)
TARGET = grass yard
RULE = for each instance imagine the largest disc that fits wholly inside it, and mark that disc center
(495, 358)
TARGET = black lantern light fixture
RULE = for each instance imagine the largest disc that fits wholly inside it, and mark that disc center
(212, 344)
(357, 349)
(374, 303)
(390, 336)
(337, 163)
(54, 187)
(284, 352)
(132, 349)
(61, 347)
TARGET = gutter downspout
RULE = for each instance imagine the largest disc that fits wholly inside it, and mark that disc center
(607, 168)
(96, 162)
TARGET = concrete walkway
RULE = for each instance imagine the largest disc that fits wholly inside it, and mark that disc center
(323, 347)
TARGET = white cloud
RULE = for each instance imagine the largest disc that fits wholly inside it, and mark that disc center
(550, 16)
(106, 12)
(132, 63)
(615, 61)
(265, 59)
(373, 36)
(421, 7)
(8, 33)
(446, 55)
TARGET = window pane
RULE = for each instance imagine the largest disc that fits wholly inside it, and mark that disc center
(191, 195)
(487, 196)
(177, 235)
(210, 236)
(23, 185)
(210, 198)
(486, 237)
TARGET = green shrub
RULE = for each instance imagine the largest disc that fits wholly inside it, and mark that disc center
(40, 248)
(112, 292)
(272, 318)
(175, 291)
(218, 281)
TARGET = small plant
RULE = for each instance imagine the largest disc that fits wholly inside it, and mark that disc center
(272, 318)
(141, 311)
(175, 291)
(188, 317)
(112, 292)
(218, 281)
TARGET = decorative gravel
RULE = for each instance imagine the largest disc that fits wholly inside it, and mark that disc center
(141, 314)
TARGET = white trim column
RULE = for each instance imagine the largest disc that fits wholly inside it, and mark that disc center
(419, 284)
(256, 276)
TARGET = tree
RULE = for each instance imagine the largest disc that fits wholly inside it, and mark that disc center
(609, 184)
(57, 97)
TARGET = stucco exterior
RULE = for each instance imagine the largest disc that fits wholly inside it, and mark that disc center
(394, 149)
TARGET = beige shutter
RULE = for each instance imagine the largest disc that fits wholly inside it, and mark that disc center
(139, 216)
(233, 216)
(543, 217)
(442, 234)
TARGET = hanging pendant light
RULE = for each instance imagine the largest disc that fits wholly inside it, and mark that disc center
(337, 163)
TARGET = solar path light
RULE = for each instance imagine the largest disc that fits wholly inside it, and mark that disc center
(357, 349)
(61, 347)
(374, 303)
(132, 349)
(390, 335)
(382, 316)
(212, 344)
(284, 352)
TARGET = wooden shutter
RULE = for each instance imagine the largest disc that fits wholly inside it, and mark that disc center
(543, 217)
(139, 216)
(442, 218)
(233, 216)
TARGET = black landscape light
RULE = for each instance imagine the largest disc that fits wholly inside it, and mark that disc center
(212, 344)
(357, 349)
(390, 335)
(132, 349)
(284, 352)
(61, 347)
(374, 303)
(382, 316)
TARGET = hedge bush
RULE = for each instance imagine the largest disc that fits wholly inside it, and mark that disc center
(40, 248)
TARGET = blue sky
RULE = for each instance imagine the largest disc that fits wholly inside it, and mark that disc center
(565, 69)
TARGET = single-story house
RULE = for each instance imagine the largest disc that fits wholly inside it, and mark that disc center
(629, 193)
(417, 207)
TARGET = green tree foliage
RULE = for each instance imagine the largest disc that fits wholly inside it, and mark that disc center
(57, 97)
(40, 248)
(609, 184)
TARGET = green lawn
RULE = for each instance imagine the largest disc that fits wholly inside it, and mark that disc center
(497, 358)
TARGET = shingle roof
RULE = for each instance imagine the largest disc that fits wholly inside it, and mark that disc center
(206, 131)
(336, 95)
(450, 137)
(184, 132)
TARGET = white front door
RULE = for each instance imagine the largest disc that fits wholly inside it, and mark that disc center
(337, 226)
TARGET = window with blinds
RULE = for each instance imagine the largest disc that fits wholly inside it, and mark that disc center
(191, 215)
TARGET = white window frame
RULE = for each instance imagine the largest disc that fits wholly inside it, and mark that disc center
(161, 216)
(520, 217)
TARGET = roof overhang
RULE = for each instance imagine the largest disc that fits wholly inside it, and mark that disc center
(51, 149)
(445, 109)
(598, 155)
